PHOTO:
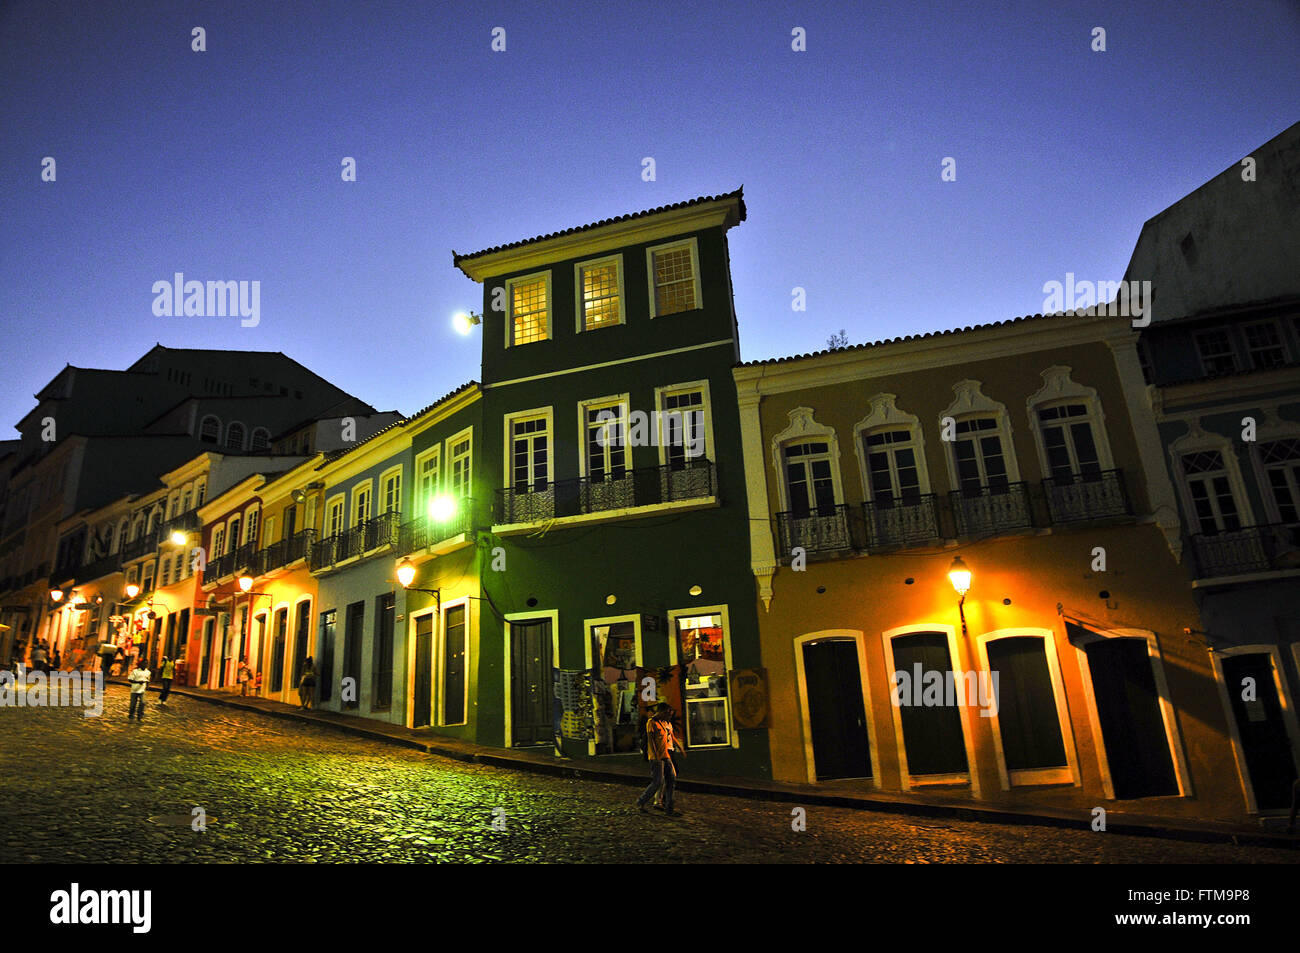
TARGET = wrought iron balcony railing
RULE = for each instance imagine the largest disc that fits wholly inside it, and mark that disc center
(1086, 496)
(991, 509)
(282, 553)
(141, 545)
(1246, 550)
(429, 531)
(823, 529)
(621, 489)
(364, 538)
(912, 520)
(186, 522)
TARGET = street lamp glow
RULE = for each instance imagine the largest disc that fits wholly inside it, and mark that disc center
(959, 574)
(464, 321)
(405, 573)
(132, 590)
(442, 508)
(56, 595)
(245, 583)
(178, 537)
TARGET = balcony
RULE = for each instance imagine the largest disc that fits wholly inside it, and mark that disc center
(97, 569)
(231, 563)
(1251, 549)
(1086, 496)
(283, 553)
(823, 530)
(911, 521)
(141, 546)
(427, 531)
(186, 522)
(645, 486)
(991, 509)
(360, 540)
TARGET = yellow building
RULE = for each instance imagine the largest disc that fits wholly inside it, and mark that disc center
(1071, 673)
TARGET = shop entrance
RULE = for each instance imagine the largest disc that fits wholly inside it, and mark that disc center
(836, 718)
(1264, 741)
(530, 683)
(1128, 709)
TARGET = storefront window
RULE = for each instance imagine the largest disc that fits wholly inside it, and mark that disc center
(702, 644)
(613, 687)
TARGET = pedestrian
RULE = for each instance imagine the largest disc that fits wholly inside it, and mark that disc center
(307, 685)
(168, 673)
(661, 740)
(107, 652)
(139, 679)
(39, 656)
(56, 663)
(245, 676)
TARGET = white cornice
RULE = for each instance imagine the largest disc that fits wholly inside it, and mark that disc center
(901, 357)
(592, 241)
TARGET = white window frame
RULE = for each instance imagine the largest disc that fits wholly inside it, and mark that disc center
(884, 417)
(1059, 390)
(970, 402)
(706, 409)
(674, 653)
(804, 428)
(623, 403)
(452, 458)
(972, 773)
(440, 662)
(362, 489)
(1066, 775)
(1196, 440)
(801, 682)
(420, 498)
(1281, 343)
(510, 617)
(219, 540)
(695, 272)
(215, 419)
(268, 531)
(1167, 713)
(510, 420)
(243, 441)
(579, 313)
(510, 317)
(1234, 350)
(1267, 434)
(1285, 702)
(252, 525)
(590, 659)
(336, 503)
(384, 479)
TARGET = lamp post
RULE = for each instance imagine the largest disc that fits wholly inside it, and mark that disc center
(406, 576)
(959, 575)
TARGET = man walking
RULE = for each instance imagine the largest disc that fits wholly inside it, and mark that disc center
(661, 741)
(107, 652)
(139, 679)
(168, 673)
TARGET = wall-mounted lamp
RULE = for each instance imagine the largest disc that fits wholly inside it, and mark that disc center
(959, 576)
(406, 576)
(464, 321)
(132, 590)
(56, 595)
(178, 538)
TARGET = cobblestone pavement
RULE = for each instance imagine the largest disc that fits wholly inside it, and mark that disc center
(103, 789)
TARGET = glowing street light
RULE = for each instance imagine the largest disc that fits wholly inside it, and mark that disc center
(959, 574)
(56, 595)
(464, 321)
(245, 583)
(405, 574)
(132, 590)
(178, 538)
(442, 508)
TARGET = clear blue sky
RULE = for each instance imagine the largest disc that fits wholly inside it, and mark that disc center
(225, 164)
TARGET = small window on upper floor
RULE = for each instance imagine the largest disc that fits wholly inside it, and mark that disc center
(210, 430)
(529, 300)
(235, 436)
(600, 293)
(1265, 346)
(261, 438)
(1218, 356)
(674, 274)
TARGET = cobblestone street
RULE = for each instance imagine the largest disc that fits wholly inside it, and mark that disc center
(107, 790)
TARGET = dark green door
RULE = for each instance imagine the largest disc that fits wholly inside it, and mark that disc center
(1269, 760)
(277, 649)
(352, 637)
(1128, 708)
(1027, 717)
(530, 683)
(836, 717)
(932, 734)
(422, 704)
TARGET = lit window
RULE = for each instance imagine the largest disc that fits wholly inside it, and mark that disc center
(600, 299)
(529, 310)
(702, 643)
(674, 279)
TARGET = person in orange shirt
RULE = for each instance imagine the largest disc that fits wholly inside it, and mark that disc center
(661, 741)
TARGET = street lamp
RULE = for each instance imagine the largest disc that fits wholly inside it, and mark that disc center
(245, 583)
(132, 590)
(464, 321)
(442, 508)
(406, 576)
(178, 538)
(56, 595)
(959, 576)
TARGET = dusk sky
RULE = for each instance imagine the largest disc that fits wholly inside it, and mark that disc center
(225, 164)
